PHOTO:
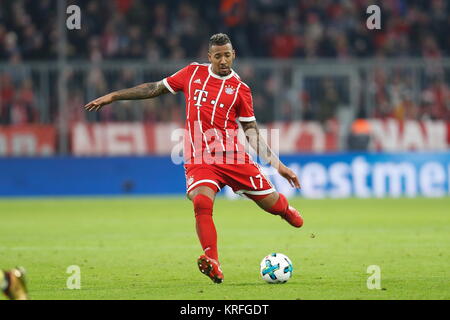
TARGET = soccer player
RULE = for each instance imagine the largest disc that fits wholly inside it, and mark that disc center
(215, 98)
(12, 283)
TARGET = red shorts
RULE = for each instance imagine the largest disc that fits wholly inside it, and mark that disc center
(242, 178)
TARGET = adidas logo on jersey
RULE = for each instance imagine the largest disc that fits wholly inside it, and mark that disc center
(198, 81)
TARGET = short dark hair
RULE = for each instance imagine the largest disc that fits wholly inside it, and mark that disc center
(219, 39)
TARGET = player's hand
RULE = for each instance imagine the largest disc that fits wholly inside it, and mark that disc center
(98, 103)
(289, 175)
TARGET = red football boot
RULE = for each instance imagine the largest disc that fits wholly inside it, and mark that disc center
(211, 268)
(293, 217)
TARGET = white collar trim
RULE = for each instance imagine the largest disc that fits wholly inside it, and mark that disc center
(232, 73)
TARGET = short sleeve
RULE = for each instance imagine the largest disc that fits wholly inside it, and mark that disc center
(175, 82)
(245, 109)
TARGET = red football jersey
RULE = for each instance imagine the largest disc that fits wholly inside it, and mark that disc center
(213, 104)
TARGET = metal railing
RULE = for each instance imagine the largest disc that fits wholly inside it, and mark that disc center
(282, 90)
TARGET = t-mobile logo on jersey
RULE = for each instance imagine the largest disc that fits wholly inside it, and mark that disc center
(198, 96)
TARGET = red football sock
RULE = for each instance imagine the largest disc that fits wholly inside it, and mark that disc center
(280, 207)
(206, 231)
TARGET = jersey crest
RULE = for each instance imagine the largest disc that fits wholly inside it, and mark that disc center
(229, 89)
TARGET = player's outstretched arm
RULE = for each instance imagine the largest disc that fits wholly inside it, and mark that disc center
(263, 150)
(142, 91)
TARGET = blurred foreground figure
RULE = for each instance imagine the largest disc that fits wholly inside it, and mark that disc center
(12, 283)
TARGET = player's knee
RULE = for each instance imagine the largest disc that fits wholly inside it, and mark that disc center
(280, 206)
(202, 204)
(204, 190)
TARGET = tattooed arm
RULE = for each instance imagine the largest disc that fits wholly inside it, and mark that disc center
(263, 151)
(143, 91)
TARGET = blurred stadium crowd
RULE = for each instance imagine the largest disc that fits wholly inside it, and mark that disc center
(156, 30)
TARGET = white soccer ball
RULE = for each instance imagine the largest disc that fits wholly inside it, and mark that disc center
(276, 268)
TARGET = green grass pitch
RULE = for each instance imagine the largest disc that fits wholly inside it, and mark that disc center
(146, 248)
